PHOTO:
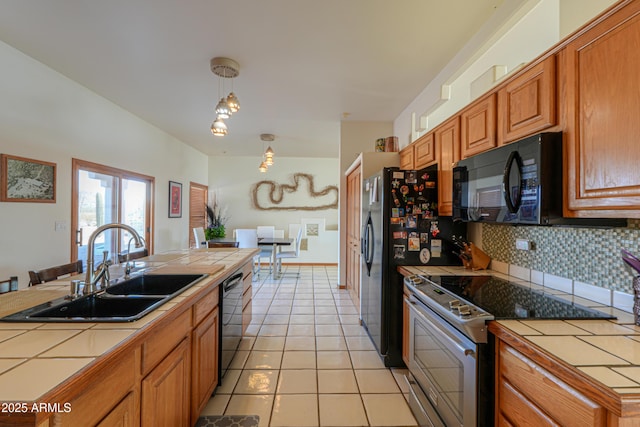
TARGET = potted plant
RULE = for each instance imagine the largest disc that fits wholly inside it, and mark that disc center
(216, 218)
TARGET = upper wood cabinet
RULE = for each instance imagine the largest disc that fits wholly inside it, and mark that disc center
(424, 151)
(527, 104)
(478, 126)
(600, 105)
(447, 140)
(407, 157)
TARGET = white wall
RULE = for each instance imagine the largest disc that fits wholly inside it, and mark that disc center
(232, 178)
(46, 116)
(523, 34)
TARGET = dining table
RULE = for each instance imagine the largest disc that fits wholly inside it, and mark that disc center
(275, 243)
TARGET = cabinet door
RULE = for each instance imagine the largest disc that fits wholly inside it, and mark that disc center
(123, 415)
(204, 363)
(447, 138)
(407, 157)
(530, 395)
(166, 391)
(424, 151)
(527, 104)
(478, 127)
(600, 86)
(354, 194)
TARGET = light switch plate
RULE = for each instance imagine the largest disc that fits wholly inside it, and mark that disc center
(523, 244)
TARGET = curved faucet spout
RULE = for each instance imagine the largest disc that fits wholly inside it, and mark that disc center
(90, 279)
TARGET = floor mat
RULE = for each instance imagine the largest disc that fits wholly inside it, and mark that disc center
(228, 421)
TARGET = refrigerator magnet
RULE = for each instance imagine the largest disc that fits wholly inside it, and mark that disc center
(398, 251)
(398, 175)
(436, 248)
(414, 244)
(412, 222)
(425, 255)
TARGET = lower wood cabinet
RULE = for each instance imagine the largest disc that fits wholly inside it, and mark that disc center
(529, 395)
(247, 295)
(166, 391)
(123, 415)
(204, 362)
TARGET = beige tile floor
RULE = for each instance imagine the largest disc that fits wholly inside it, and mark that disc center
(307, 361)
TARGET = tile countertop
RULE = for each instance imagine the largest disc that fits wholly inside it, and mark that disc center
(606, 351)
(37, 357)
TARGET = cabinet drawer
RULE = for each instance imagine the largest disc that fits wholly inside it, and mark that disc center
(557, 399)
(162, 342)
(246, 297)
(103, 394)
(205, 305)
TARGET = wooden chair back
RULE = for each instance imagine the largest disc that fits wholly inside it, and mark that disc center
(52, 273)
(122, 256)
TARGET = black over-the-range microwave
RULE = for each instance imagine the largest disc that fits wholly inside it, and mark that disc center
(519, 183)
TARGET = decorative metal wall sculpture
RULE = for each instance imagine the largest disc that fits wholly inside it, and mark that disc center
(273, 194)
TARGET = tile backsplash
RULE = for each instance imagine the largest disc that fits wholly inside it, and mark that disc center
(586, 255)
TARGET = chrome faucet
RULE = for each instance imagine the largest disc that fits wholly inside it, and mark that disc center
(128, 266)
(102, 272)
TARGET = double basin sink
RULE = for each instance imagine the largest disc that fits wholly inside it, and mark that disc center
(124, 301)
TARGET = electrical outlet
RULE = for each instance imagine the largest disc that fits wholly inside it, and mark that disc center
(523, 244)
(61, 225)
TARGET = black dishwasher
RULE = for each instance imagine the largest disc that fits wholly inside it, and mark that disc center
(231, 324)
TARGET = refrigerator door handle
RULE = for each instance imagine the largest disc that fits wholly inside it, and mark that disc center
(369, 247)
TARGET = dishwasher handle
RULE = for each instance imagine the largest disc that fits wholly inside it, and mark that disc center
(232, 281)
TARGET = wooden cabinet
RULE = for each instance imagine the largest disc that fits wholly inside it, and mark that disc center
(529, 395)
(600, 106)
(527, 104)
(123, 415)
(204, 360)
(247, 295)
(424, 151)
(447, 141)
(478, 127)
(407, 157)
(354, 213)
(166, 391)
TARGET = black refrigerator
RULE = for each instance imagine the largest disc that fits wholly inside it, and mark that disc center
(400, 227)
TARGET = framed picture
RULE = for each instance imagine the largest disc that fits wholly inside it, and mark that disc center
(312, 227)
(175, 199)
(27, 180)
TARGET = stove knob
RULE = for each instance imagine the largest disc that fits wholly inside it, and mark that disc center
(454, 304)
(464, 310)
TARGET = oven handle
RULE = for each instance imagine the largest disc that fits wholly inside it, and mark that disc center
(421, 311)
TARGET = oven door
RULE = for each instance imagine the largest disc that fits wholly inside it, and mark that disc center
(444, 364)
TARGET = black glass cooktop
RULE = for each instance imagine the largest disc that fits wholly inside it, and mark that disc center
(508, 300)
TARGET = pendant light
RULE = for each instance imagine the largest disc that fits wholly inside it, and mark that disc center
(224, 68)
(268, 157)
(263, 167)
(219, 128)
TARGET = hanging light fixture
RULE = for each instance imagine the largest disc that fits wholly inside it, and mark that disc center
(263, 167)
(268, 155)
(224, 68)
(218, 127)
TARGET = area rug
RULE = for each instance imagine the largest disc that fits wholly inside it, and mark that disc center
(228, 421)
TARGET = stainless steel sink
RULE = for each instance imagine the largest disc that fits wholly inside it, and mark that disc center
(155, 284)
(125, 301)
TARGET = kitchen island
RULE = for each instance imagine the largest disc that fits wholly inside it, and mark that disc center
(159, 370)
(562, 372)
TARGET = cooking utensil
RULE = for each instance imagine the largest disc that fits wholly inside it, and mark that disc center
(631, 260)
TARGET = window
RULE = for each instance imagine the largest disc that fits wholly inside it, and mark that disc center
(103, 195)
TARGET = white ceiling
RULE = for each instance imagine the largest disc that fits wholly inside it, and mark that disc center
(303, 63)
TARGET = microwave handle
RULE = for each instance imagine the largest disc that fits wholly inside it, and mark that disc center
(512, 205)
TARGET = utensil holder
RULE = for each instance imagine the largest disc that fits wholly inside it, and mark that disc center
(636, 300)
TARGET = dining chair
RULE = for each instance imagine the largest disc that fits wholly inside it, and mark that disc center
(53, 273)
(201, 240)
(248, 238)
(6, 285)
(122, 256)
(285, 254)
(266, 231)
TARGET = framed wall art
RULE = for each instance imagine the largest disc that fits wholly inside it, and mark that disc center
(175, 199)
(27, 180)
